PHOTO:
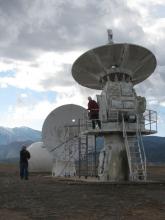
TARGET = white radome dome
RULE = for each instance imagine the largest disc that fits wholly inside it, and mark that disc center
(41, 160)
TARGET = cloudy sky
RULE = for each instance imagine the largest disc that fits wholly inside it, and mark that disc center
(40, 40)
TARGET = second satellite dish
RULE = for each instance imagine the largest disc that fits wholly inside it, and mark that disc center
(57, 123)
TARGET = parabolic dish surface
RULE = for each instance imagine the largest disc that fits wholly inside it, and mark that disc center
(91, 66)
(55, 126)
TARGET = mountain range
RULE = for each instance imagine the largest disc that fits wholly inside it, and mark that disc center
(12, 139)
(154, 149)
(9, 135)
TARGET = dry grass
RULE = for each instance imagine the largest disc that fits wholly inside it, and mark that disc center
(50, 198)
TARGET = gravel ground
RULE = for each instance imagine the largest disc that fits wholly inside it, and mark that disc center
(44, 197)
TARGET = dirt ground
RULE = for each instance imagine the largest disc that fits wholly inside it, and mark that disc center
(44, 197)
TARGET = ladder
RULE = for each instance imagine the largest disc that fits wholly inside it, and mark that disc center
(82, 148)
(86, 159)
(135, 153)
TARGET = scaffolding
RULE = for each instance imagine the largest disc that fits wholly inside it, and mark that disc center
(87, 163)
(77, 150)
(82, 148)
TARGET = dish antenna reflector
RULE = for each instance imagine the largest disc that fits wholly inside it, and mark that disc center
(93, 68)
(58, 121)
(60, 135)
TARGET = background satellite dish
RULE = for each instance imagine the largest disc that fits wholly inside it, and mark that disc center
(41, 160)
(136, 61)
(55, 126)
(60, 135)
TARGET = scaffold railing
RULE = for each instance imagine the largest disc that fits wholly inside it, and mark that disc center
(150, 117)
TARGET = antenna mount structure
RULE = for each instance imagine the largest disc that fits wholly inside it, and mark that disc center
(115, 69)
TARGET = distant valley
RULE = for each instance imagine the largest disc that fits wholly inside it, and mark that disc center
(12, 139)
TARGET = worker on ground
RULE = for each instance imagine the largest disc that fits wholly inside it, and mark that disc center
(24, 157)
(93, 109)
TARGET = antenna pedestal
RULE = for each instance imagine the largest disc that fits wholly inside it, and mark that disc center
(113, 165)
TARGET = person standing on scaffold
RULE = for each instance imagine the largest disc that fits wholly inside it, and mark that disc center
(93, 109)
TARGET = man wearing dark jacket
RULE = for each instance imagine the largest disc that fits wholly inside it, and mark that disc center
(24, 157)
(93, 108)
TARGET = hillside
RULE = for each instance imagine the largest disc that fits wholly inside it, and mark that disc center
(155, 149)
(12, 139)
(9, 135)
(11, 151)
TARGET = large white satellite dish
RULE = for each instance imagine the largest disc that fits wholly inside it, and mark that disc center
(95, 65)
(41, 160)
(58, 122)
(60, 135)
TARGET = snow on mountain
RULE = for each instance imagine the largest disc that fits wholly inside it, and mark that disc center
(9, 135)
(12, 139)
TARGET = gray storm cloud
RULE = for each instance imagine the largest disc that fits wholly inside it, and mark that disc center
(63, 77)
(32, 26)
(29, 28)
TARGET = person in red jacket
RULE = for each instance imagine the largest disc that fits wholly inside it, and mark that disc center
(93, 109)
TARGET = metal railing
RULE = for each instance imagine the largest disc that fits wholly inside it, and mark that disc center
(141, 148)
(150, 118)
